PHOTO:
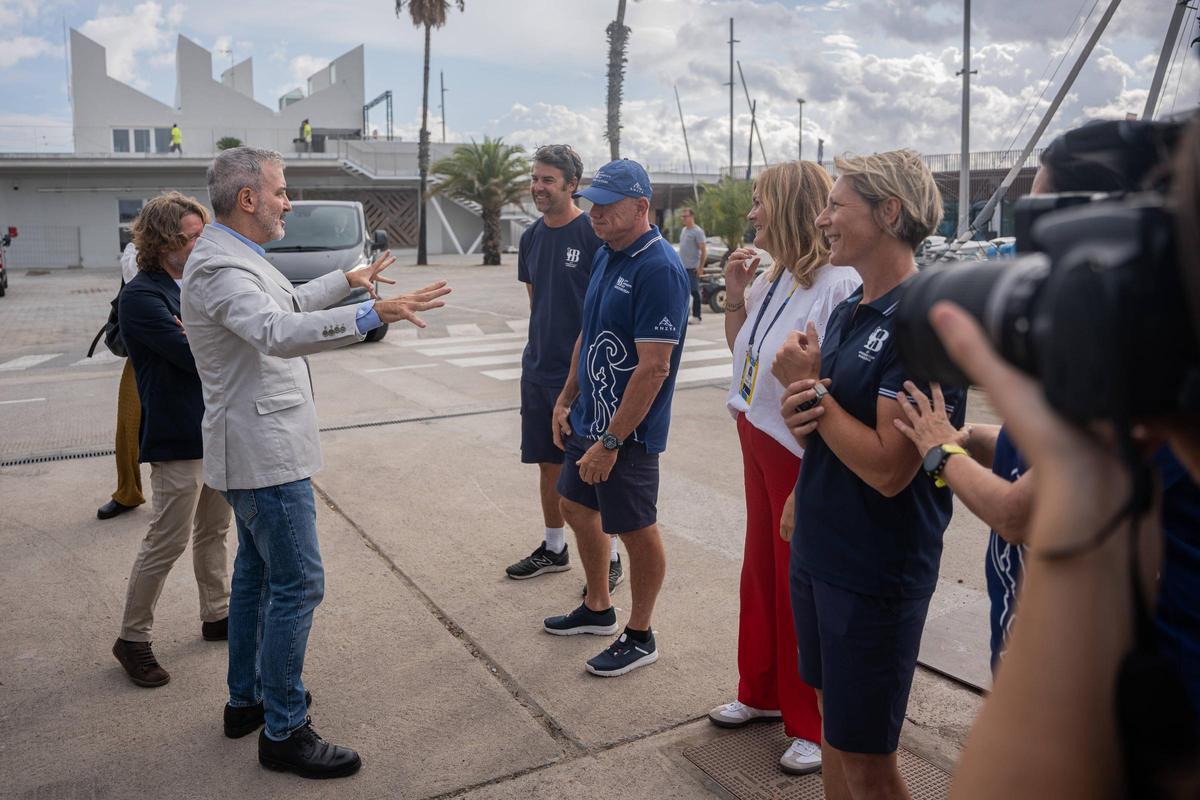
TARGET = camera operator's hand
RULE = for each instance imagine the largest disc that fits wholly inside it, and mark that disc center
(930, 424)
(406, 306)
(799, 358)
(739, 274)
(1080, 481)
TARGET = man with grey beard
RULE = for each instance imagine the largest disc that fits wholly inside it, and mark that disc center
(249, 328)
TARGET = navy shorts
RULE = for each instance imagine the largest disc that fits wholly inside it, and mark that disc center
(861, 652)
(537, 416)
(628, 500)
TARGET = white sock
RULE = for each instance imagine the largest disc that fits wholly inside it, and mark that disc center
(613, 554)
(556, 540)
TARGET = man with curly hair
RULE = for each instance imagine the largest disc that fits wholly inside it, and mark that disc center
(172, 410)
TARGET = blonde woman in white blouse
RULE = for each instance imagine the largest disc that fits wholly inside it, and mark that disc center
(799, 288)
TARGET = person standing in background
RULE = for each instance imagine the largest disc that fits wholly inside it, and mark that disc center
(693, 252)
(129, 415)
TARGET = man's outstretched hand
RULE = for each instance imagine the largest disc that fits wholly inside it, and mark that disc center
(366, 277)
(406, 306)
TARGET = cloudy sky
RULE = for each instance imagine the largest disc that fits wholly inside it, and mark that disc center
(876, 74)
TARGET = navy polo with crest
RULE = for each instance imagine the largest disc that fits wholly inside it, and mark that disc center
(638, 294)
(557, 262)
(847, 534)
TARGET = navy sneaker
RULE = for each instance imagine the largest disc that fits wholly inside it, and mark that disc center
(539, 562)
(623, 655)
(615, 575)
(583, 620)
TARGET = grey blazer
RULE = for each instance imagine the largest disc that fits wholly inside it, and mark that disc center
(248, 328)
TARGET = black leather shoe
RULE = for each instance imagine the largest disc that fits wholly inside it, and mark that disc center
(308, 755)
(245, 720)
(215, 631)
(111, 509)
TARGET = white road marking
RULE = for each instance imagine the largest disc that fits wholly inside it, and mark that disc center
(436, 341)
(697, 374)
(705, 355)
(487, 361)
(487, 347)
(519, 324)
(25, 362)
(101, 357)
(465, 329)
(26, 400)
(503, 374)
(406, 366)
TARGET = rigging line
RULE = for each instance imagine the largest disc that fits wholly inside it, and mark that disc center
(1183, 61)
(1032, 107)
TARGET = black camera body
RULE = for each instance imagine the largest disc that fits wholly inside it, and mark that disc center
(1095, 310)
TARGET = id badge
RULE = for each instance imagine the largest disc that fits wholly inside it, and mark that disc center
(749, 376)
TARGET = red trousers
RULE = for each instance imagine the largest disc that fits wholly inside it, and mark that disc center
(767, 655)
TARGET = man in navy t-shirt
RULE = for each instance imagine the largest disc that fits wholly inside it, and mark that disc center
(554, 261)
(613, 413)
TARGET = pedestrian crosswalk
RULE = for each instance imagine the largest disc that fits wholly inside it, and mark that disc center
(492, 349)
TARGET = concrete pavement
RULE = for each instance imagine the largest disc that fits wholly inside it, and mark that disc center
(423, 655)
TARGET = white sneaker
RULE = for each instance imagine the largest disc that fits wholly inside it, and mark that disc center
(802, 758)
(735, 715)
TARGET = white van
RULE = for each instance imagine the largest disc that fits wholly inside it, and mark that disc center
(324, 235)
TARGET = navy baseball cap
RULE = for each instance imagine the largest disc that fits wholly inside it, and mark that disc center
(615, 181)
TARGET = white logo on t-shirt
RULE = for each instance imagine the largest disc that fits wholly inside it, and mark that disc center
(572, 257)
(873, 345)
(623, 285)
(665, 325)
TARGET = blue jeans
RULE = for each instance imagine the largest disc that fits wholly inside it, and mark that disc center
(277, 582)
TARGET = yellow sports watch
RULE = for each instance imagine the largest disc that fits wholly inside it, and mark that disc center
(935, 461)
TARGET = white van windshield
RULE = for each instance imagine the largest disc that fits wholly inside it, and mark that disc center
(309, 228)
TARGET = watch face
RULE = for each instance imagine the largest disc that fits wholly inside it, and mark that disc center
(610, 442)
(933, 459)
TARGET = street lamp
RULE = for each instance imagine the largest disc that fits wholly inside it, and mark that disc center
(800, 129)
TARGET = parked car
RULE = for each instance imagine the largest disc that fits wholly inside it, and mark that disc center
(324, 235)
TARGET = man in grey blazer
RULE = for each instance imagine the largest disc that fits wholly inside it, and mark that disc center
(248, 328)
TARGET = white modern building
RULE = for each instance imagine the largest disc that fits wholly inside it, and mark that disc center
(74, 209)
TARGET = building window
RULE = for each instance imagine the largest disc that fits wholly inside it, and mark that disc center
(141, 140)
(120, 140)
(162, 140)
(332, 74)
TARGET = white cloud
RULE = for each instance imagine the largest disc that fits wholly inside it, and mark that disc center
(840, 40)
(144, 31)
(15, 12)
(15, 50)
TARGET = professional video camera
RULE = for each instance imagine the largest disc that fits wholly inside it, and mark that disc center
(1096, 309)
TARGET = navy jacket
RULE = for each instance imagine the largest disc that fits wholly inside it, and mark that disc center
(168, 386)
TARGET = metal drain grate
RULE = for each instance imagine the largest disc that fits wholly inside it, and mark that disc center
(746, 764)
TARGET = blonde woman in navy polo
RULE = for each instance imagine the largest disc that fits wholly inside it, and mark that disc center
(800, 286)
(869, 521)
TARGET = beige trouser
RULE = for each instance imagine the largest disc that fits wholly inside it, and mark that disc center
(181, 503)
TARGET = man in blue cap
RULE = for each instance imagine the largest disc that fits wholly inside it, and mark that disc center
(612, 416)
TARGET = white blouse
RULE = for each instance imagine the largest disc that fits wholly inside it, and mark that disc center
(791, 307)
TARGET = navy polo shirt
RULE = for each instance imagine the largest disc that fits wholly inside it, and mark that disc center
(639, 294)
(557, 262)
(848, 534)
(1005, 562)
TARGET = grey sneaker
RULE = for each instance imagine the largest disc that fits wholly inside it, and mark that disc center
(615, 575)
(582, 620)
(539, 562)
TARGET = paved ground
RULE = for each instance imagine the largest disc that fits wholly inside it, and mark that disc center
(423, 655)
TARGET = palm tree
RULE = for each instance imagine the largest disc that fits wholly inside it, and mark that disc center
(723, 208)
(618, 42)
(427, 14)
(492, 174)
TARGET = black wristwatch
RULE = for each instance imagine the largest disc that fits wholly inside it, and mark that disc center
(610, 442)
(935, 461)
(820, 392)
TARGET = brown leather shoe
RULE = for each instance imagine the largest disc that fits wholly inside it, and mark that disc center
(138, 660)
(215, 631)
